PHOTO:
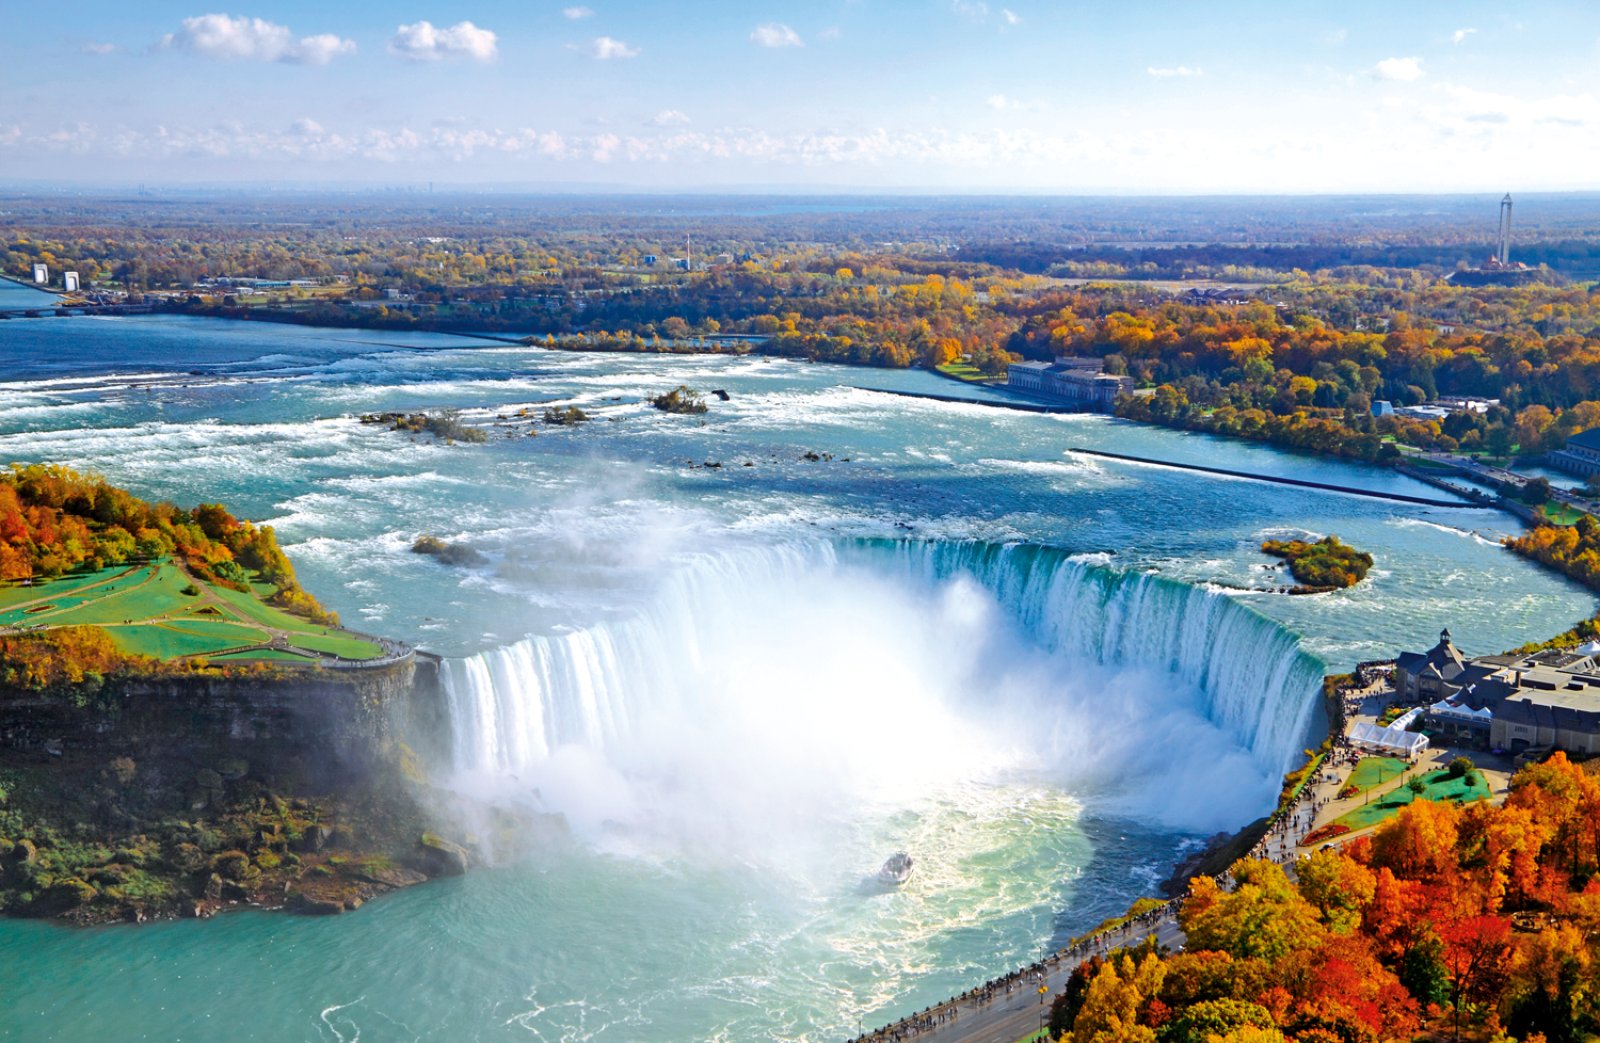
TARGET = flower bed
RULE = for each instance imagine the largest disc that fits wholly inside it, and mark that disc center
(1321, 833)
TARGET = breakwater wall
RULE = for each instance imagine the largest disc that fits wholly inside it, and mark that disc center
(1300, 483)
(1020, 407)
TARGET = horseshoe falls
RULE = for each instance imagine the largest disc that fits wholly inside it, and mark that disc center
(888, 669)
(694, 708)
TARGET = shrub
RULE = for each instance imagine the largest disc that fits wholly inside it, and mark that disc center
(680, 400)
(569, 417)
(1459, 767)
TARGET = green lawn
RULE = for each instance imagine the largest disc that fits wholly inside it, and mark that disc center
(147, 613)
(274, 654)
(160, 595)
(15, 594)
(1465, 789)
(70, 593)
(1560, 514)
(337, 644)
(962, 371)
(163, 642)
(1373, 770)
(230, 635)
(250, 608)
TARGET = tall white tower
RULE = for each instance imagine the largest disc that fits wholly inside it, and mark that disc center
(1503, 255)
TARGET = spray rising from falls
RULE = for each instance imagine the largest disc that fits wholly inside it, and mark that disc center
(880, 670)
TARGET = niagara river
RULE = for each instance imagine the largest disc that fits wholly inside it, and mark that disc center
(729, 663)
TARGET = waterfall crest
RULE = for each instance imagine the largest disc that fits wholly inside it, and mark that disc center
(512, 707)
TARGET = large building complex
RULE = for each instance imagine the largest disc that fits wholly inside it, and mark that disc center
(1581, 455)
(1548, 699)
(1077, 381)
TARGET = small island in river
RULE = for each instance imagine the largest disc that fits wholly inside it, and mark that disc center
(1324, 565)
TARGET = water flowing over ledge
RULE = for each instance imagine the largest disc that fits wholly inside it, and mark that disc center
(510, 708)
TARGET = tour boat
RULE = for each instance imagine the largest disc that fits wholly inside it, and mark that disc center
(897, 870)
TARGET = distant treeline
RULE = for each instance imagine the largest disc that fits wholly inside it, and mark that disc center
(1574, 258)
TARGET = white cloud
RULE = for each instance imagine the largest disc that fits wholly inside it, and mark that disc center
(775, 34)
(575, 13)
(604, 48)
(1468, 107)
(999, 102)
(1011, 17)
(322, 49)
(1404, 70)
(1175, 70)
(1335, 37)
(221, 36)
(1461, 34)
(425, 42)
(830, 33)
(306, 127)
(100, 48)
(971, 8)
(668, 118)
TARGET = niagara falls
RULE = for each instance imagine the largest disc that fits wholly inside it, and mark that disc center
(686, 712)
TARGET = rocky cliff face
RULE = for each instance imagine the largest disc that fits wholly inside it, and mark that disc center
(166, 796)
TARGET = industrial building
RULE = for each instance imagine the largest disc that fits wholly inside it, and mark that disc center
(1581, 455)
(1076, 381)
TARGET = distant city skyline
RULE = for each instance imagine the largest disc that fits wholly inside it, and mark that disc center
(870, 95)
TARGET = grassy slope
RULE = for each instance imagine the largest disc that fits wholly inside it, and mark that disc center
(146, 612)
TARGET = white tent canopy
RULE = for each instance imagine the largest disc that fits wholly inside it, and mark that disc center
(1398, 740)
(1446, 708)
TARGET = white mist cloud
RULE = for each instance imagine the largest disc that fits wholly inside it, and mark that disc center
(1011, 17)
(254, 39)
(1460, 35)
(669, 118)
(1175, 70)
(999, 102)
(1403, 70)
(100, 48)
(425, 42)
(775, 34)
(575, 13)
(606, 48)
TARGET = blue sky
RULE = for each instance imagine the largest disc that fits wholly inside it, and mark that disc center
(967, 95)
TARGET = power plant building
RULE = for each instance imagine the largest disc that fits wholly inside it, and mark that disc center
(1075, 381)
(69, 282)
(41, 274)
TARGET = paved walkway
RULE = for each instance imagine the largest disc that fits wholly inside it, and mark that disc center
(1009, 1009)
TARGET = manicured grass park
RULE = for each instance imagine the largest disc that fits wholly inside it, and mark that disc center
(1373, 771)
(962, 371)
(1439, 786)
(158, 609)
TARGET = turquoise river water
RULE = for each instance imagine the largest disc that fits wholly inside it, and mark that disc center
(741, 687)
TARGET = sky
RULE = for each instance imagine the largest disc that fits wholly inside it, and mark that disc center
(823, 95)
